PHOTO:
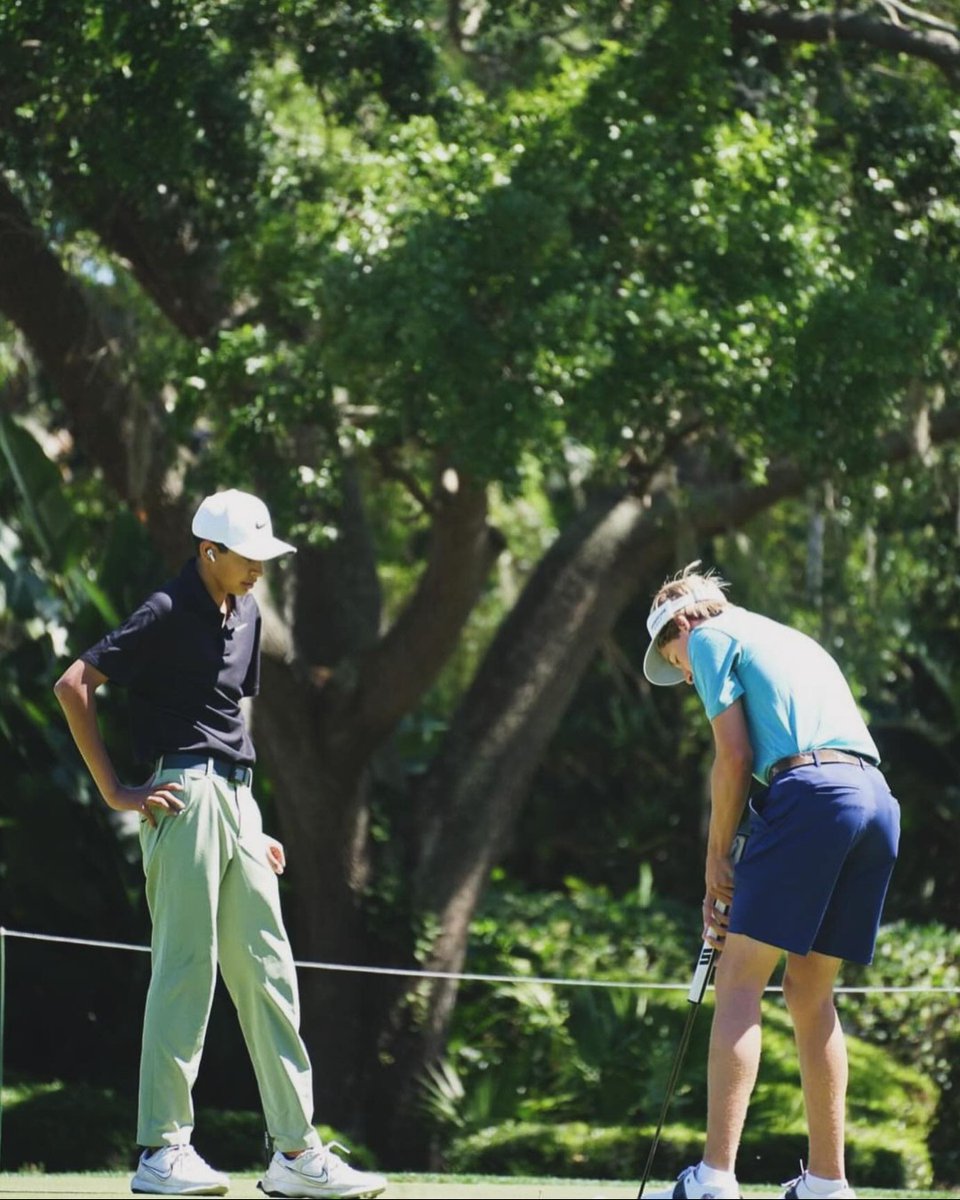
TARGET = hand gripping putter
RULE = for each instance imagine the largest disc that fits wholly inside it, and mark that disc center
(698, 987)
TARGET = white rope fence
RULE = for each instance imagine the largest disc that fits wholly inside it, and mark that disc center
(476, 977)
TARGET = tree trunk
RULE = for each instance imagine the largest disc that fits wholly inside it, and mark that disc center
(321, 808)
(323, 713)
(940, 45)
(473, 792)
(115, 424)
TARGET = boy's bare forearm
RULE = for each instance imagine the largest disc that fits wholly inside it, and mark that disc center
(76, 692)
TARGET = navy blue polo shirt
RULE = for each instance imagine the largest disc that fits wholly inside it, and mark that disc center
(185, 670)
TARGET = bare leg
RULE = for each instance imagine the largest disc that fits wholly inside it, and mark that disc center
(743, 972)
(808, 990)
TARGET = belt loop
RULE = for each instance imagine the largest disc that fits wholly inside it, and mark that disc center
(816, 758)
(860, 761)
(209, 770)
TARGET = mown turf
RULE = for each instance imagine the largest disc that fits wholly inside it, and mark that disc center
(402, 1187)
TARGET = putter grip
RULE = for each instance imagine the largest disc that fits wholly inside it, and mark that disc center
(701, 975)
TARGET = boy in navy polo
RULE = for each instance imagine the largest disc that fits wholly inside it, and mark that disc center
(187, 656)
(812, 880)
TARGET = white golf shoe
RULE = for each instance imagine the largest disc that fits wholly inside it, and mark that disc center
(797, 1189)
(177, 1171)
(689, 1187)
(319, 1172)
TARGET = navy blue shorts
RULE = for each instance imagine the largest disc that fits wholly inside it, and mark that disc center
(814, 874)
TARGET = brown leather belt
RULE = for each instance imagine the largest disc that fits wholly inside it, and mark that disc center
(826, 755)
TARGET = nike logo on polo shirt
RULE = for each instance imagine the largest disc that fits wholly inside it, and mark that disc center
(242, 625)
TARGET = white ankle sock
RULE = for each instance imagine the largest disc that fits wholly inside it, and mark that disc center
(710, 1177)
(823, 1187)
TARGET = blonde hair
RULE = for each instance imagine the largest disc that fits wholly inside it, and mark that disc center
(690, 579)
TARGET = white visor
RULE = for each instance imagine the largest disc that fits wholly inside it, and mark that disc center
(655, 666)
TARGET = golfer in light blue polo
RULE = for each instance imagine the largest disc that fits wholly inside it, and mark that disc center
(814, 875)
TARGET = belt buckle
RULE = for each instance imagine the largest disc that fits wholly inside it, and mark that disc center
(240, 775)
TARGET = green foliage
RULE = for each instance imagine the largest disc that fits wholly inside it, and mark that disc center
(65, 864)
(619, 247)
(920, 1029)
(533, 1050)
(531, 1065)
(349, 51)
(51, 1126)
(584, 931)
(168, 92)
(514, 341)
(690, 269)
(78, 1127)
(883, 1150)
(585, 1150)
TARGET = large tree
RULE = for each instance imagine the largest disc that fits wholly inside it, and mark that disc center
(674, 263)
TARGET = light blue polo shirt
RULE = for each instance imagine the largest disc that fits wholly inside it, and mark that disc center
(794, 695)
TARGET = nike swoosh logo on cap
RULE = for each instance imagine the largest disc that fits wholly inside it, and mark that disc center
(261, 524)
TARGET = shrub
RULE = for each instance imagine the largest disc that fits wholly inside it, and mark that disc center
(529, 1051)
(53, 1127)
(577, 1149)
(530, 1056)
(920, 1029)
(77, 1127)
(891, 1110)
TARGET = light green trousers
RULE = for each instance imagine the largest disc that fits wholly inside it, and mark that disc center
(214, 899)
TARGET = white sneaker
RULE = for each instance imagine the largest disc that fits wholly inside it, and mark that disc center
(689, 1187)
(318, 1172)
(177, 1171)
(797, 1189)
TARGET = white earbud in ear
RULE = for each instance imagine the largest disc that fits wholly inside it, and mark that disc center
(211, 555)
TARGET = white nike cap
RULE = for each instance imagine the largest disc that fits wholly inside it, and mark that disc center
(240, 522)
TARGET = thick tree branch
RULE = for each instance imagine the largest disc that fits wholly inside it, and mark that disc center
(936, 45)
(174, 267)
(336, 612)
(119, 427)
(737, 503)
(396, 672)
(370, 681)
(900, 9)
(173, 261)
(392, 469)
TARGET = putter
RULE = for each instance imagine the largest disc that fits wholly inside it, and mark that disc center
(698, 987)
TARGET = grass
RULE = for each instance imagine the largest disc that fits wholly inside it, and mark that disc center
(402, 1187)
